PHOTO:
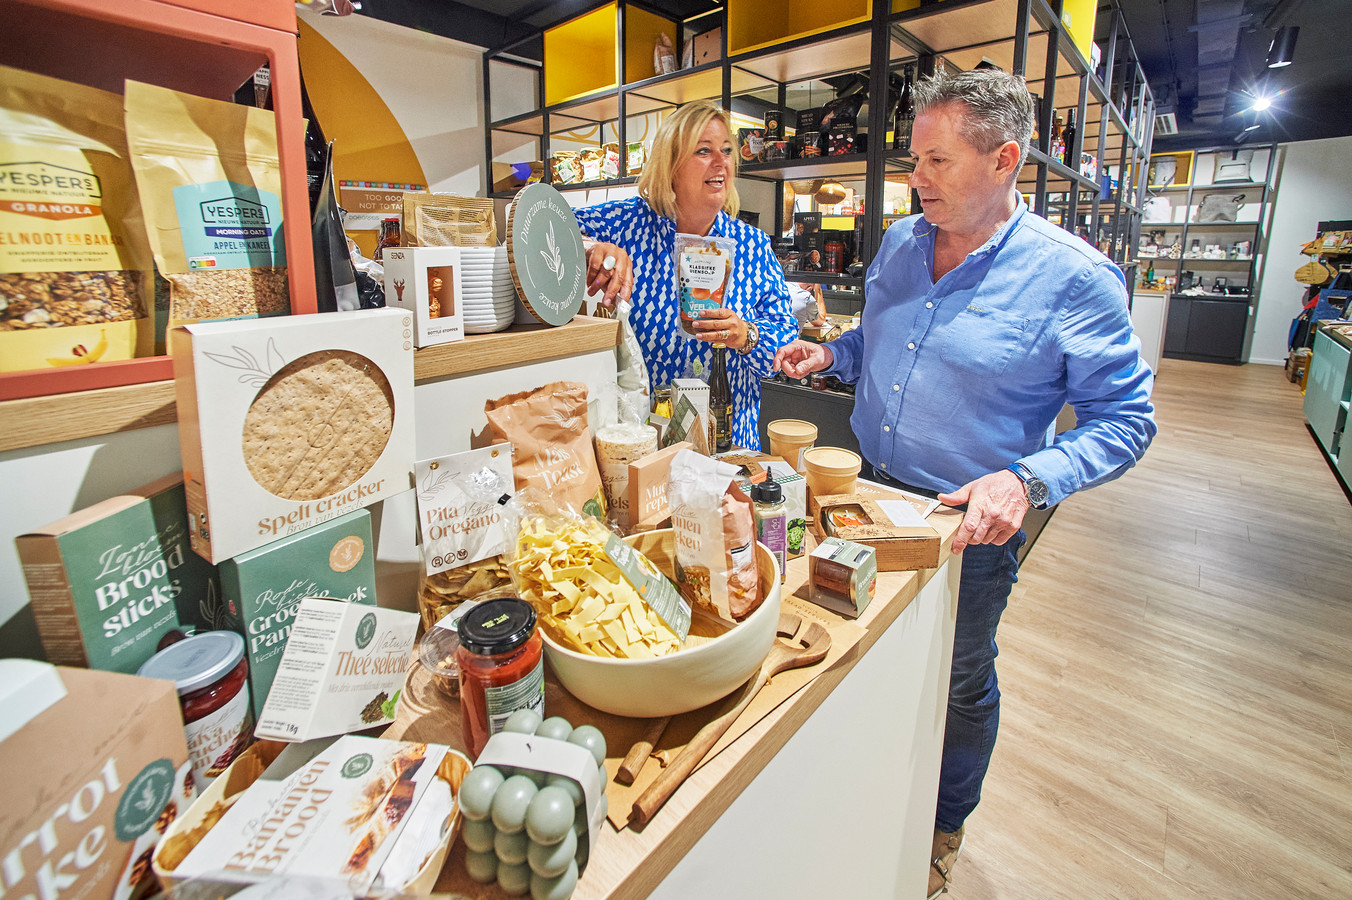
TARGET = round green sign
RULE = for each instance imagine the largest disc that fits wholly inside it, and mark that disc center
(544, 251)
(366, 630)
(357, 766)
(143, 800)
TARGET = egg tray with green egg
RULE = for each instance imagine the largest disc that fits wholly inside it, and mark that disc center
(533, 805)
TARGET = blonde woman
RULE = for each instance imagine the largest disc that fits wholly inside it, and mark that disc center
(688, 187)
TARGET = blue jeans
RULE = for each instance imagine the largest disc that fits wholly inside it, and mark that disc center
(989, 572)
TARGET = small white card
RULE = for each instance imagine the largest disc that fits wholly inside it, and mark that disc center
(902, 513)
(342, 670)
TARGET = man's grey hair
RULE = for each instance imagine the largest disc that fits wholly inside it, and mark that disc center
(996, 107)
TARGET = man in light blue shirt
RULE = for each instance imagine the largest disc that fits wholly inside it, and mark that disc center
(981, 321)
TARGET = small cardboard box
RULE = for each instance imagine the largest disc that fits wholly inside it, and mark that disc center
(648, 505)
(96, 768)
(708, 47)
(842, 576)
(901, 547)
(108, 581)
(342, 670)
(263, 588)
(291, 421)
(426, 281)
(355, 761)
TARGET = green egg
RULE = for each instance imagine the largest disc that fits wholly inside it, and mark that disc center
(552, 859)
(510, 802)
(549, 816)
(478, 835)
(511, 848)
(590, 737)
(555, 727)
(477, 790)
(560, 887)
(523, 721)
(514, 880)
(567, 784)
(482, 867)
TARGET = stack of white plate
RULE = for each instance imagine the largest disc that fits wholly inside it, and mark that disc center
(488, 296)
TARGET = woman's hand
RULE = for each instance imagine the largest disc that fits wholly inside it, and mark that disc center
(610, 271)
(720, 325)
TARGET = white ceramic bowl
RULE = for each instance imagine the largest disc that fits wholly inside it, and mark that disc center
(692, 677)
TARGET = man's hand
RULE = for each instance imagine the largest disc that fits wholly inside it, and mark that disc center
(610, 270)
(996, 505)
(802, 358)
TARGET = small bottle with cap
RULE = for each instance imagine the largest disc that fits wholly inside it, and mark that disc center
(772, 519)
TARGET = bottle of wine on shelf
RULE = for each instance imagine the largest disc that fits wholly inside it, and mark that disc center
(905, 115)
(1068, 141)
(1056, 147)
(720, 401)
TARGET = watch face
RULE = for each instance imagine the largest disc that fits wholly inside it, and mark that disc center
(1037, 491)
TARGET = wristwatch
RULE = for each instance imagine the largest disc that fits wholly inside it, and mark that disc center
(1034, 488)
(752, 338)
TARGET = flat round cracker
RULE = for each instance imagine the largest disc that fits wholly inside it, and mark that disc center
(318, 425)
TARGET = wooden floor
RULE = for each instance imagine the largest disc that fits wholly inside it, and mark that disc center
(1176, 670)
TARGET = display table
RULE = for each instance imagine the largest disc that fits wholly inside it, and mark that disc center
(832, 794)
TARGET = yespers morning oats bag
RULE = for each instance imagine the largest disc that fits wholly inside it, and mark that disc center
(75, 283)
(210, 184)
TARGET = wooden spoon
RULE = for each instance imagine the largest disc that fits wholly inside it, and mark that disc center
(806, 650)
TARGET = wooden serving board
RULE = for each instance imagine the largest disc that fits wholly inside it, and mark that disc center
(545, 254)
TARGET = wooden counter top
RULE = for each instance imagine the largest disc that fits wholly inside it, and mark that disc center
(33, 421)
(628, 865)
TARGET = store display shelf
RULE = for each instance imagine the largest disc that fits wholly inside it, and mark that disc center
(810, 57)
(830, 279)
(1208, 226)
(1237, 298)
(580, 186)
(34, 421)
(850, 166)
(698, 83)
(835, 396)
(1242, 260)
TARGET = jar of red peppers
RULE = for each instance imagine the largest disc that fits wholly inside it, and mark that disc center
(502, 667)
(212, 677)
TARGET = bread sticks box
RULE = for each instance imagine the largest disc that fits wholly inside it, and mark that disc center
(288, 422)
(108, 581)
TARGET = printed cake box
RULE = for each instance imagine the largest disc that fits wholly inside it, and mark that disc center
(426, 281)
(285, 423)
(108, 581)
(342, 670)
(96, 769)
(263, 588)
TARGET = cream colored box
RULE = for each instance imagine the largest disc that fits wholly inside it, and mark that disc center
(426, 281)
(288, 422)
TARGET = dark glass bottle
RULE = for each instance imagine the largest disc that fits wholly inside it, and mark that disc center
(1068, 141)
(720, 401)
(901, 134)
(390, 236)
(316, 150)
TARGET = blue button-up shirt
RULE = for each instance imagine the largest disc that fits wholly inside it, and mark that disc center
(960, 378)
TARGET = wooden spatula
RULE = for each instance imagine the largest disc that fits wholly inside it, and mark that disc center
(806, 649)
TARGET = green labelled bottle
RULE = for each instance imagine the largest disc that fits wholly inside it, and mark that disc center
(720, 401)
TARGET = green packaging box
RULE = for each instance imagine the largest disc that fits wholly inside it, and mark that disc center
(108, 581)
(263, 587)
(842, 576)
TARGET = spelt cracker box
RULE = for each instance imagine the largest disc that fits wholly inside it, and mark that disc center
(342, 671)
(426, 281)
(289, 422)
(109, 580)
(96, 770)
(263, 588)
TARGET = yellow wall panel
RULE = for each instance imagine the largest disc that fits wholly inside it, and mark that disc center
(581, 54)
(641, 30)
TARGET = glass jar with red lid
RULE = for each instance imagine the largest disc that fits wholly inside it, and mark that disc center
(212, 677)
(502, 667)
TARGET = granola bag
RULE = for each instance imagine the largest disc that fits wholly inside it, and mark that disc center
(210, 182)
(552, 445)
(715, 534)
(75, 268)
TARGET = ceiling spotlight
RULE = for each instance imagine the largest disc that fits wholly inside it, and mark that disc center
(1261, 103)
(1283, 48)
(1251, 127)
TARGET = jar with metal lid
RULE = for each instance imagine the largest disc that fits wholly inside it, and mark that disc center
(502, 668)
(212, 677)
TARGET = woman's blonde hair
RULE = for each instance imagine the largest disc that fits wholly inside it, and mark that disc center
(677, 138)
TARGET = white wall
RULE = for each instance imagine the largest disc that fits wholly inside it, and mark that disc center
(433, 87)
(1314, 183)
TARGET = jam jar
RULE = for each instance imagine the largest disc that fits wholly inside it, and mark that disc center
(502, 667)
(212, 677)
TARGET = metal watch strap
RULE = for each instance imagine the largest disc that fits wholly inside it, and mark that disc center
(752, 338)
